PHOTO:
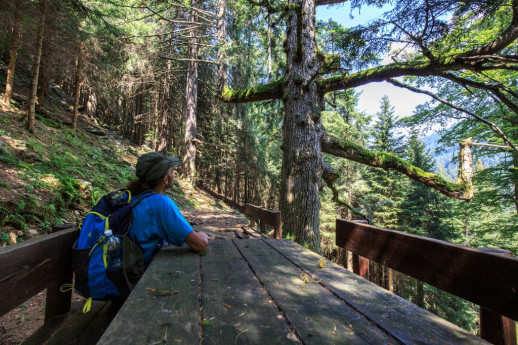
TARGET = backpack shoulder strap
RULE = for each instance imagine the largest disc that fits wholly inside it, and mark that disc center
(142, 196)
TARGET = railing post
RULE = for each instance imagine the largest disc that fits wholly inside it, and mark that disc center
(262, 226)
(277, 229)
(495, 328)
(359, 263)
(361, 266)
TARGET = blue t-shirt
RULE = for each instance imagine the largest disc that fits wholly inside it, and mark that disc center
(157, 218)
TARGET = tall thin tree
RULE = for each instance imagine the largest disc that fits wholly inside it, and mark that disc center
(36, 66)
(13, 52)
(191, 96)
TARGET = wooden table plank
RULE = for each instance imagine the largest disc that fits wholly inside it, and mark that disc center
(401, 318)
(235, 307)
(317, 315)
(150, 318)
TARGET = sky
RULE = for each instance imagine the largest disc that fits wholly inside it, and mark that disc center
(403, 101)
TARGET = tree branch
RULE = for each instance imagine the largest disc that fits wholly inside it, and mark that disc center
(462, 190)
(494, 89)
(186, 59)
(328, 2)
(214, 146)
(329, 176)
(491, 125)
(506, 38)
(272, 90)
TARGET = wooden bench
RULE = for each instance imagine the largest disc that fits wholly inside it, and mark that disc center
(482, 276)
(44, 263)
(265, 217)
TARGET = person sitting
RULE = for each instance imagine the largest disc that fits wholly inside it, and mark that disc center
(157, 218)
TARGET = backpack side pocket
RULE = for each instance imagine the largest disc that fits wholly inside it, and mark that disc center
(80, 264)
(133, 259)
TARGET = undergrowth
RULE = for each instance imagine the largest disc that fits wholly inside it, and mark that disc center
(55, 175)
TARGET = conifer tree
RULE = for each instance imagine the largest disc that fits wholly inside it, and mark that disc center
(422, 208)
(386, 187)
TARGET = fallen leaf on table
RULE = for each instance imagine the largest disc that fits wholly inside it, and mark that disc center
(163, 292)
(228, 306)
(321, 263)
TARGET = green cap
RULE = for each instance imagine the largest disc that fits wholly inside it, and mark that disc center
(153, 165)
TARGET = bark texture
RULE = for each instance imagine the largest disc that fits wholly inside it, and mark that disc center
(191, 95)
(222, 37)
(302, 156)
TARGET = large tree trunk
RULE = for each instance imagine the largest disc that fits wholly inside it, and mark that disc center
(191, 95)
(77, 86)
(13, 53)
(302, 155)
(36, 68)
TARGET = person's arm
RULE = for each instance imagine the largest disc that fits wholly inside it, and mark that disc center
(198, 241)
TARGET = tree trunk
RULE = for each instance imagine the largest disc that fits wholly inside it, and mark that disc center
(77, 86)
(162, 130)
(390, 278)
(269, 51)
(36, 67)
(419, 298)
(302, 154)
(44, 78)
(13, 53)
(222, 37)
(91, 104)
(191, 95)
(514, 172)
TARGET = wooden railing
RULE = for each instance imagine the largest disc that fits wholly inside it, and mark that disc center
(35, 265)
(482, 276)
(265, 217)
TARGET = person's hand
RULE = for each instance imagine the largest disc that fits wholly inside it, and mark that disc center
(198, 241)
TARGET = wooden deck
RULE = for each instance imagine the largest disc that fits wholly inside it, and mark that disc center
(267, 292)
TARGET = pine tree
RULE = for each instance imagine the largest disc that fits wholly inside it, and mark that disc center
(382, 202)
(421, 211)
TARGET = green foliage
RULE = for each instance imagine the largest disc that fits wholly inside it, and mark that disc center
(3, 212)
(423, 209)
(16, 220)
(48, 122)
(382, 203)
(7, 156)
(5, 120)
(5, 238)
(69, 191)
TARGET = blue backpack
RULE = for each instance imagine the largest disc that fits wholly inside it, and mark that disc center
(89, 254)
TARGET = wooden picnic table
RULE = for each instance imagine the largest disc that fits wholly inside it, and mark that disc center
(267, 291)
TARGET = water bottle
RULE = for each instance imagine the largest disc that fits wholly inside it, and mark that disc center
(114, 251)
